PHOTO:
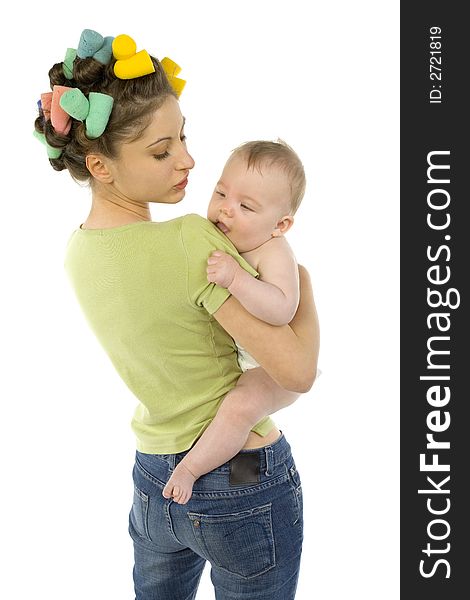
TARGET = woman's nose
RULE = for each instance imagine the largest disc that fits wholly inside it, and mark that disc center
(185, 161)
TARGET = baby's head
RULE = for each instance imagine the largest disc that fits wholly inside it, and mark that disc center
(258, 193)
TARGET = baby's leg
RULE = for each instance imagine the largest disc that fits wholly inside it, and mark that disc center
(255, 396)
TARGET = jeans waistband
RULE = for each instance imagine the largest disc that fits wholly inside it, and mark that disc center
(270, 456)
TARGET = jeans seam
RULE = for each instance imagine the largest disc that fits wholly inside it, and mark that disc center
(249, 490)
(148, 476)
(169, 522)
(240, 515)
(296, 490)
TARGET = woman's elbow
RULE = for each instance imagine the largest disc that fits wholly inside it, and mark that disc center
(305, 385)
(300, 380)
(282, 316)
(299, 386)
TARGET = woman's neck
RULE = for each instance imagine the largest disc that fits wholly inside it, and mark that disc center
(110, 210)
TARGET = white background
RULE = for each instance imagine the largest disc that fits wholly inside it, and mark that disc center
(324, 77)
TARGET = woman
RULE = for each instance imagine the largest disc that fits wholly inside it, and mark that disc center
(143, 287)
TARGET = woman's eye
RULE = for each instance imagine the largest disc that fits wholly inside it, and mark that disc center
(183, 138)
(161, 156)
(220, 193)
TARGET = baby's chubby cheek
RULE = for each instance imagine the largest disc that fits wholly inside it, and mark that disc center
(211, 215)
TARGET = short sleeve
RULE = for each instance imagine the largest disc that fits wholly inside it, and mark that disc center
(200, 238)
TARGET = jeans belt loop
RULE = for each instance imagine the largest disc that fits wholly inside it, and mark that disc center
(268, 450)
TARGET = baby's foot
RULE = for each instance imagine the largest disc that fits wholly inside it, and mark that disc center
(180, 485)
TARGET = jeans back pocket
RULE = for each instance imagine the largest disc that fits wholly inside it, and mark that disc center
(240, 543)
(139, 513)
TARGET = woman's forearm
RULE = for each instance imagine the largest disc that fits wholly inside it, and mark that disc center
(288, 353)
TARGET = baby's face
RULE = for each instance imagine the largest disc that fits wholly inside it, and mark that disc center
(247, 205)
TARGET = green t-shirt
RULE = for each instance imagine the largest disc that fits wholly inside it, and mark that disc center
(143, 289)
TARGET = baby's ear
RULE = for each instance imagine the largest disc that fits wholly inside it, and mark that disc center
(283, 225)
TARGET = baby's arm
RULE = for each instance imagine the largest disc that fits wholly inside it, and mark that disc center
(255, 396)
(275, 296)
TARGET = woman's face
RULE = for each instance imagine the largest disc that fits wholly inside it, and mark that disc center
(155, 167)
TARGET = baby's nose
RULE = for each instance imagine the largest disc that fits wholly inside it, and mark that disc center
(226, 210)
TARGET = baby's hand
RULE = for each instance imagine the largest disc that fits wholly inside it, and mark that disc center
(222, 268)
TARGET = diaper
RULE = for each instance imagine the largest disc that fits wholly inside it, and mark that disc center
(245, 360)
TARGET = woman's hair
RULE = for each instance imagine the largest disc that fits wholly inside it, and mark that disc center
(261, 153)
(135, 100)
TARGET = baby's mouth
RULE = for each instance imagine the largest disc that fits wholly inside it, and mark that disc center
(223, 228)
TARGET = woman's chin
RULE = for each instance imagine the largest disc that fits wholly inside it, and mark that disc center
(177, 197)
(172, 198)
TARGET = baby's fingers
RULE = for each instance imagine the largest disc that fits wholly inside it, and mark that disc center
(211, 275)
(217, 254)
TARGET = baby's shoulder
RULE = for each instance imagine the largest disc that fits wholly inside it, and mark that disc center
(276, 247)
(275, 251)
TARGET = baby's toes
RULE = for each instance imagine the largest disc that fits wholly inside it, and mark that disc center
(167, 491)
(186, 497)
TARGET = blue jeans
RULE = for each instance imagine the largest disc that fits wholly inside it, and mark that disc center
(251, 533)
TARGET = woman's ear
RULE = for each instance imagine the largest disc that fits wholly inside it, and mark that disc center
(98, 168)
(283, 225)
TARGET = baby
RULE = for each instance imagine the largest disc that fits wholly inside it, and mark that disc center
(253, 204)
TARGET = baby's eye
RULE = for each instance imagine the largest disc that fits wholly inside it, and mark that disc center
(246, 207)
(220, 193)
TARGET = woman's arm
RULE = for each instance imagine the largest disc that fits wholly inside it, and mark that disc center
(288, 353)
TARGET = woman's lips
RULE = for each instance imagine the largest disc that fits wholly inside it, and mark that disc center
(223, 228)
(182, 184)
